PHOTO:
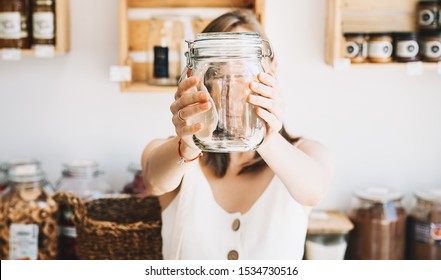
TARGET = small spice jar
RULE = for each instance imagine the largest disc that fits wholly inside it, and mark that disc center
(379, 225)
(136, 185)
(28, 216)
(43, 22)
(356, 47)
(431, 46)
(407, 48)
(424, 226)
(380, 47)
(14, 24)
(428, 15)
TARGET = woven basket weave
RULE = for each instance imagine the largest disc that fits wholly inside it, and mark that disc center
(120, 227)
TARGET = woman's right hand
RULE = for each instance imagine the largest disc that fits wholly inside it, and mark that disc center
(189, 103)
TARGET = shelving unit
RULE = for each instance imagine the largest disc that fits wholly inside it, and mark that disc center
(371, 16)
(62, 29)
(133, 32)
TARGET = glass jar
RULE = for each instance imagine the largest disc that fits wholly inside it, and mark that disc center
(3, 180)
(136, 185)
(226, 63)
(424, 226)
(28, 217)
(407, 48)
(380, 47)
(43, 21)
(166, 34)
(431, 46)
(14, 24)
(356, 47)
(17, 162)
(379, 225)
(83, 179)
(428, 14)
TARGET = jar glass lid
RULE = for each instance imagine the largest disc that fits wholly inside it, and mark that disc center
(81, 168)
(432, 194)
(26, 173)
(379, 194)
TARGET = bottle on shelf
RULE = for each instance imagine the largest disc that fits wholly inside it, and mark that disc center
(14, 24)
(43, 22)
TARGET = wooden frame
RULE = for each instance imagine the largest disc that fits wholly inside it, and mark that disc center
(130, 30)
(62, 23)
(367, 16)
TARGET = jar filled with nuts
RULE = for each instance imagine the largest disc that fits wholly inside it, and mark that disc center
(28, 216)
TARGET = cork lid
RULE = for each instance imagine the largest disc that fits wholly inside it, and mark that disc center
(329, 222)
(432, 195)
(379, 194)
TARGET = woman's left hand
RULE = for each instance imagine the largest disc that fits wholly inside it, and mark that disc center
(269, 102)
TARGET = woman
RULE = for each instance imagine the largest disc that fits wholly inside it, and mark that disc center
(251, 205)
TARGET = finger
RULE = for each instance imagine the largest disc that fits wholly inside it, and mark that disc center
(189, 99)
(191, 111)
(188, 130)
(266, 103)
(262, 89)
(267, 79)
(270, 119)
(186, 85)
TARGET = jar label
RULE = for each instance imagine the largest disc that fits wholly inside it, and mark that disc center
(43, 25)
(407, 49)
(352, 49)
(160, 64)
(380, 49)
(10, 25)
(432, 49)
(427, 17)
(427, 232)
(69, 231)
(23, 242)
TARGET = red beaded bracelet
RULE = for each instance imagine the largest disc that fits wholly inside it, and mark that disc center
(183, 160)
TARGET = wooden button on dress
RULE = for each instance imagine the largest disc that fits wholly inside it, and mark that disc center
(233, 255)
(236, 225)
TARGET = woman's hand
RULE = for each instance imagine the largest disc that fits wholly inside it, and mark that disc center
(189, 103)
(269, 102)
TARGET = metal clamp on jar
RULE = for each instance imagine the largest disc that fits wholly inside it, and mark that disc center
(226, 62)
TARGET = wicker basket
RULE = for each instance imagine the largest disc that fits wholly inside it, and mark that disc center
(120, 227)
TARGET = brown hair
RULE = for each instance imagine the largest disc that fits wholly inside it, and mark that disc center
(219, 162)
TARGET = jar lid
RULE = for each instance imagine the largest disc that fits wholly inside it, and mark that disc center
(354, 34)
(135, 167)
(380, 34)
(433, 33)
(406, 35)
(429, 3)
(379, 194)
(26, 174)
(81, 168)
(19, 161)
(228, 44)
(432, 194)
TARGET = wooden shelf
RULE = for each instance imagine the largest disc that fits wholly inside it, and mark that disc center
(367, 16)
(134, 31)
(62, 29)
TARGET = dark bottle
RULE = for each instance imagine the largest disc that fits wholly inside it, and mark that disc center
(43, 22)
(14, 24)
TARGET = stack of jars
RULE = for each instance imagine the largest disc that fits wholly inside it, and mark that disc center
(83, 179)
(400, 46)
(26, 23)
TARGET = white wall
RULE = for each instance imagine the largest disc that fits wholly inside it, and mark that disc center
(382, 126)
